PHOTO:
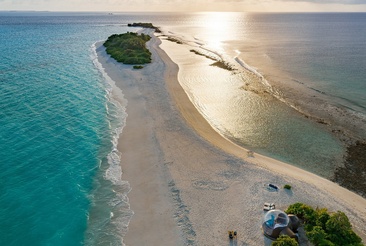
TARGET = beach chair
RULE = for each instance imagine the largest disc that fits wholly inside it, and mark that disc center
(268, 206)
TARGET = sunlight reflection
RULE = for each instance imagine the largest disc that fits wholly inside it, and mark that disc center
(218, 27)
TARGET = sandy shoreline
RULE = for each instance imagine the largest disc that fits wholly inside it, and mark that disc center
(190, 186)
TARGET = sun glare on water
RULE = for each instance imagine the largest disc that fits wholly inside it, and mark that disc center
(218, 27)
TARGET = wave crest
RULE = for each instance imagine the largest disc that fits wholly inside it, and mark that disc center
(110, 213)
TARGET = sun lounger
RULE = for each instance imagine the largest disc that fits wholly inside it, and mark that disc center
(269, 206)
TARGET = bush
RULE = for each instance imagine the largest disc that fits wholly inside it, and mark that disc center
(340, 230)
(322, 217)
(338, 222)
(304, 212)
(285, 241)
(287, 186)
(323, 228)
(317, 235)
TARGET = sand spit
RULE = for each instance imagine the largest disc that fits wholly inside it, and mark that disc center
(189, 184)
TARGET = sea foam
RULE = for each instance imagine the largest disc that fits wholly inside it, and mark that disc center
(111, 197)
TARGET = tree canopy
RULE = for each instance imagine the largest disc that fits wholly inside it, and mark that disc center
(284, 240)
(324, 228)
(128, 48)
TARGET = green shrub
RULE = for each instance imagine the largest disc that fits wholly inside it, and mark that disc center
(287, 186)
(338, 222)
(323, 228)
(138, 67)
(304, 212)
(322, 217)
(339, 230)
(284, 240)
(317, 235)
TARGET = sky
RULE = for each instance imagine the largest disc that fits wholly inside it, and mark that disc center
(187, 5)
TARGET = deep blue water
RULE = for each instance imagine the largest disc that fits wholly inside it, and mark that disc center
(58, 123)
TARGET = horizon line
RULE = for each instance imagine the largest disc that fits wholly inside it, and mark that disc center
(151, 11)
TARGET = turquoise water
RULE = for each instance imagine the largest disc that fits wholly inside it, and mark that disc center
(57, 123)
(60, 179)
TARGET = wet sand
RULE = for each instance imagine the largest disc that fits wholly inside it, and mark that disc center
(189, 184)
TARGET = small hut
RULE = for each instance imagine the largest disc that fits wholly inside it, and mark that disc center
(276, 223)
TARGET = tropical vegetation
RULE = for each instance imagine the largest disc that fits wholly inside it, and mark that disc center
(128, 48)
(325, 228)
(284, 240)
(145, 25)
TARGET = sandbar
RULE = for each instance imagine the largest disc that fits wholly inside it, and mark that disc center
(190, 185)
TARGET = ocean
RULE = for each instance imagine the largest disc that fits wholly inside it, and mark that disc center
(60, 178)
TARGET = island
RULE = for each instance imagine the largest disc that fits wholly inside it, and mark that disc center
(185, 177)
(129, 48)
(144, 25)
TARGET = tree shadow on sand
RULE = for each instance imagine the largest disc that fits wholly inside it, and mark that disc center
(288, 192)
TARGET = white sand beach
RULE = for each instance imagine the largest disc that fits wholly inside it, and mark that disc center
(189, 184)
